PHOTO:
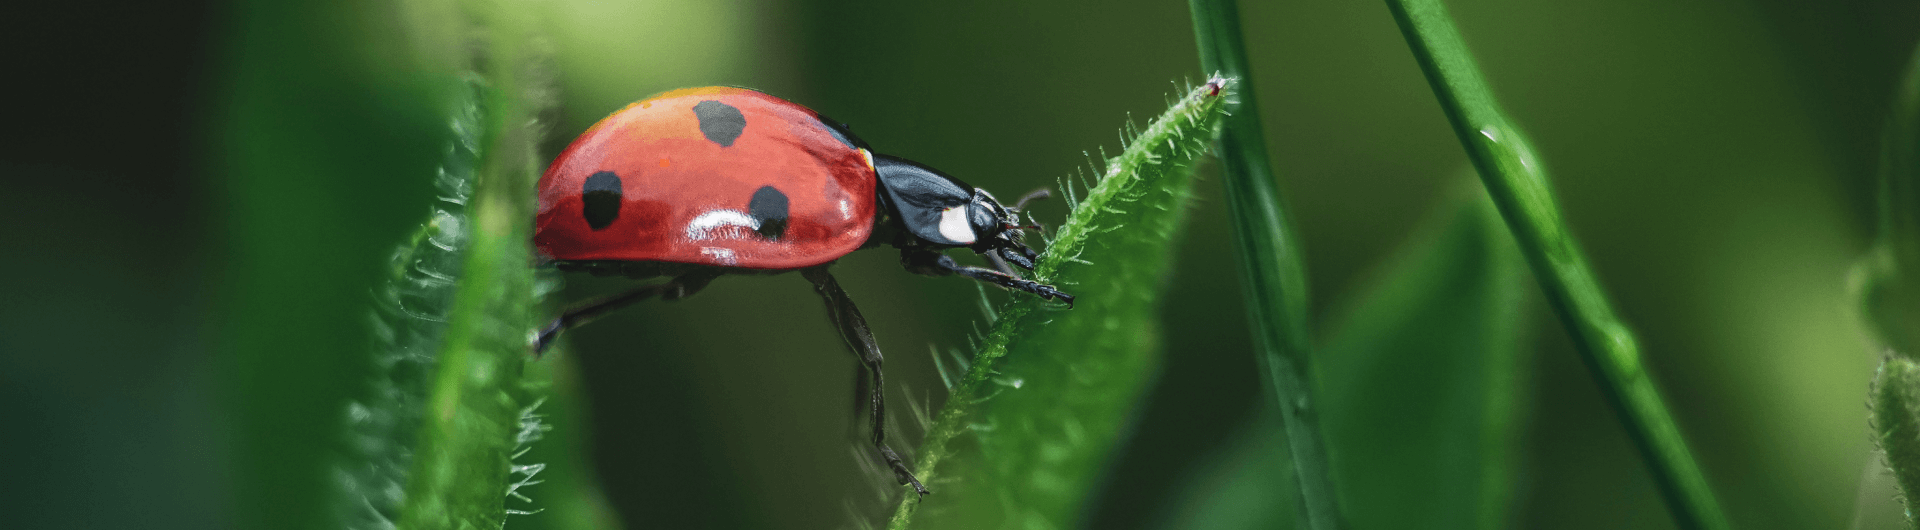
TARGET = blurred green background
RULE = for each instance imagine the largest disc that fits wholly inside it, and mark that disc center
(176, 314)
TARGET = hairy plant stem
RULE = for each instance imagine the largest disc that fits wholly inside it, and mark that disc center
(477, 410)
(1272, 265)
(1519, 186)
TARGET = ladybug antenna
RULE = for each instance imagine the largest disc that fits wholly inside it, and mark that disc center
(1042, 193)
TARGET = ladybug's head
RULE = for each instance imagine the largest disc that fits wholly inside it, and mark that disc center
(1000, 228)
(942, 211)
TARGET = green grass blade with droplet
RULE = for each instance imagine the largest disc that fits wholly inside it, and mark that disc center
(1514, 176)
(1027, 431)
(1272, 267)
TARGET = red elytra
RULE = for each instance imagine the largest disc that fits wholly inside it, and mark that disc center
(689, 165)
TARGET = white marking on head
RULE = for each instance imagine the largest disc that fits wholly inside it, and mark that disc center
(722, 255)
(954, 225)
(705, 225)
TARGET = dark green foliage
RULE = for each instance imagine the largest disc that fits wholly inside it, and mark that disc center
(1889, 292)
(325, 156)
(1422, 384)
(1887, 286)
(206, 197)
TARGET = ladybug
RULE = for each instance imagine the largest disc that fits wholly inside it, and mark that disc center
(699, 183)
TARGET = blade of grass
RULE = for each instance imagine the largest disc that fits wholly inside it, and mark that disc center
(1889, 293)
(1421, 384)
(1519, 185)
(1272, 266)
(1049, 392)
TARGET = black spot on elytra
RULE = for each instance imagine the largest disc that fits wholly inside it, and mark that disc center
(600, 199)
(769, 207)
(720, 122)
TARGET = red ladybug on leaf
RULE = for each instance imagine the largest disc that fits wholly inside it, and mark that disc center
(699, 183)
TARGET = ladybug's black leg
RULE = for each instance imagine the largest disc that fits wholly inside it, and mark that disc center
(680, 287)
(860, 397)
(1000, 264)
(853, 329)
(932, 263)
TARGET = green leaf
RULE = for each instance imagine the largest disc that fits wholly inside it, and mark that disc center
(1271, 265)
(1421, 383)
(1026, 433)
(1516, 178)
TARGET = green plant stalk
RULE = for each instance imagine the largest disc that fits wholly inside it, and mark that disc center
(1272, 266)
(1519, 185)
(461, 473)
(1047, 397)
